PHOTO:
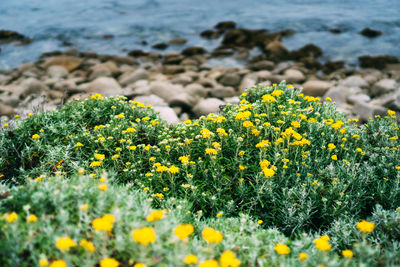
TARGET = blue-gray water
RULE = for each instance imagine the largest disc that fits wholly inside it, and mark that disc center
(84, 23)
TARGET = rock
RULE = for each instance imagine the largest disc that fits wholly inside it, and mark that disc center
(10, 36)
(222, 92)
(206, 106)
(177, 41)
(99, 71)
(222, 52)
(184, 117)
(294, 76)
(137, 53)
(316, 87)
(354, 81)
(139, 74)
(193, 50)
(210, 34)
(335, 31)
(383, 86)
(196, 90)
(183, 100)
(352, 99)
(172, 58)
(182, 79)
(173, 69)
(160, 46)
(262, 65)
(225, 25)
(340, 93)
(331, 66)
(232, 100)
(371, 78)
(230, 79)
(105, 86)
(165, 90)
(370, 33)
(57, 72)
(264, 76)
(68, 62)
(366, 110)
(248, 81)
(53, 94)
(167, 114)
(67, 86)
(26, 66)
(309, 50)
(311, 63)
(79, 96)
(29, 86)
(277, 51)
(152, 100)
(377, 62)
(6, 110)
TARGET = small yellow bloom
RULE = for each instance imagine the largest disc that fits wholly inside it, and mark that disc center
(303, 256)
(102, 187)
(365, 226)
(12, 217)
(84, 207)
(87, 245)
(104, 223)
(58, 263)
(65, 243)
(228, 259)
(139, 264)
(219, 214)
(144, 235)
(322, 244)
(211, 235)
(347, 253)
(334, 157)
(183, 231)
(31, 218)
(191, 259)
(282, 249)
(268, 172)
(109, 262)
(260, 222)
(209, 263)
(35, 136)
(43, 262)
(155, 215)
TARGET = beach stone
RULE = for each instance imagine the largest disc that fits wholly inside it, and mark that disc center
(165, 89)
(6, 110)
(225, 25)
(167, 114)
(232, 100)
(222, 52)
(79, 96)
(127, 60)
(294, 76)
(309, 50)
(173, 69)
(152, 100)
(54, 94)
(248, 81)
(222, 92)
(277, 50)
(177, 41)
(193, 50)
(139, 74)
(29, 86)
(182, 79)
(371, 78)
(196, 90)
(68, 62)
(173, 58)
(230, 79)
(99, 71)
(377, 62)
(183, 100)
(206, 106)
(358, 98)
(340, 93)
(354, 81)
(184, 116)
(262, 65)
(331, 66)
(370, 33)
(9, 36)
(160, 46)
(66, 85)
(316, 87)
(105, 86)
(57, 72)
(210, 34)
(366, 110)
(383, 86)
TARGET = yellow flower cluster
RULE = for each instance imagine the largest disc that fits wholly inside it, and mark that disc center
(104, 223)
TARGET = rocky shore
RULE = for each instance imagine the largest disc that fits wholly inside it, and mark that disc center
(187, 84)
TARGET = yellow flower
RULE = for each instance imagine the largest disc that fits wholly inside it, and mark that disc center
(247, 124)
(155, 215)
(35, 136)
(139, 265)
(211, 151)
(209, 263)
(334, 157)
(58, 263)
(99, 156)
(109, 262)
(43, 262)
(183, 231)
(268, 98)
(84, 207)
(191, 259)
(144, 235)
(104, 223)
(322, 244)
(268, 172)
(228, 259)
(173, 169)
(31, 218)
(282, 249)
(347, 253)
(87, 245)
(12, 217)
(95, 164)
(102, 187)
(365, 226)
(120, 116)
(295, 124)
(130, 130)
(79, 144)
(391, 113)
(331, 146)
(102, 179)
(211, 235)
(5, 125)
(260, 222)
(303, 256)
(219, 214)
(64, 243)
(81, 171)
(277, 93)
(221, 131)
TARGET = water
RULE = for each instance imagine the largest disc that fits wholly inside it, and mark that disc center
(84, 23)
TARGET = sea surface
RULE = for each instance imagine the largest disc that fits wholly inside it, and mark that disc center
(82, 24)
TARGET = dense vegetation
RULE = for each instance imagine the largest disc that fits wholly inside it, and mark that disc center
(277, 175)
